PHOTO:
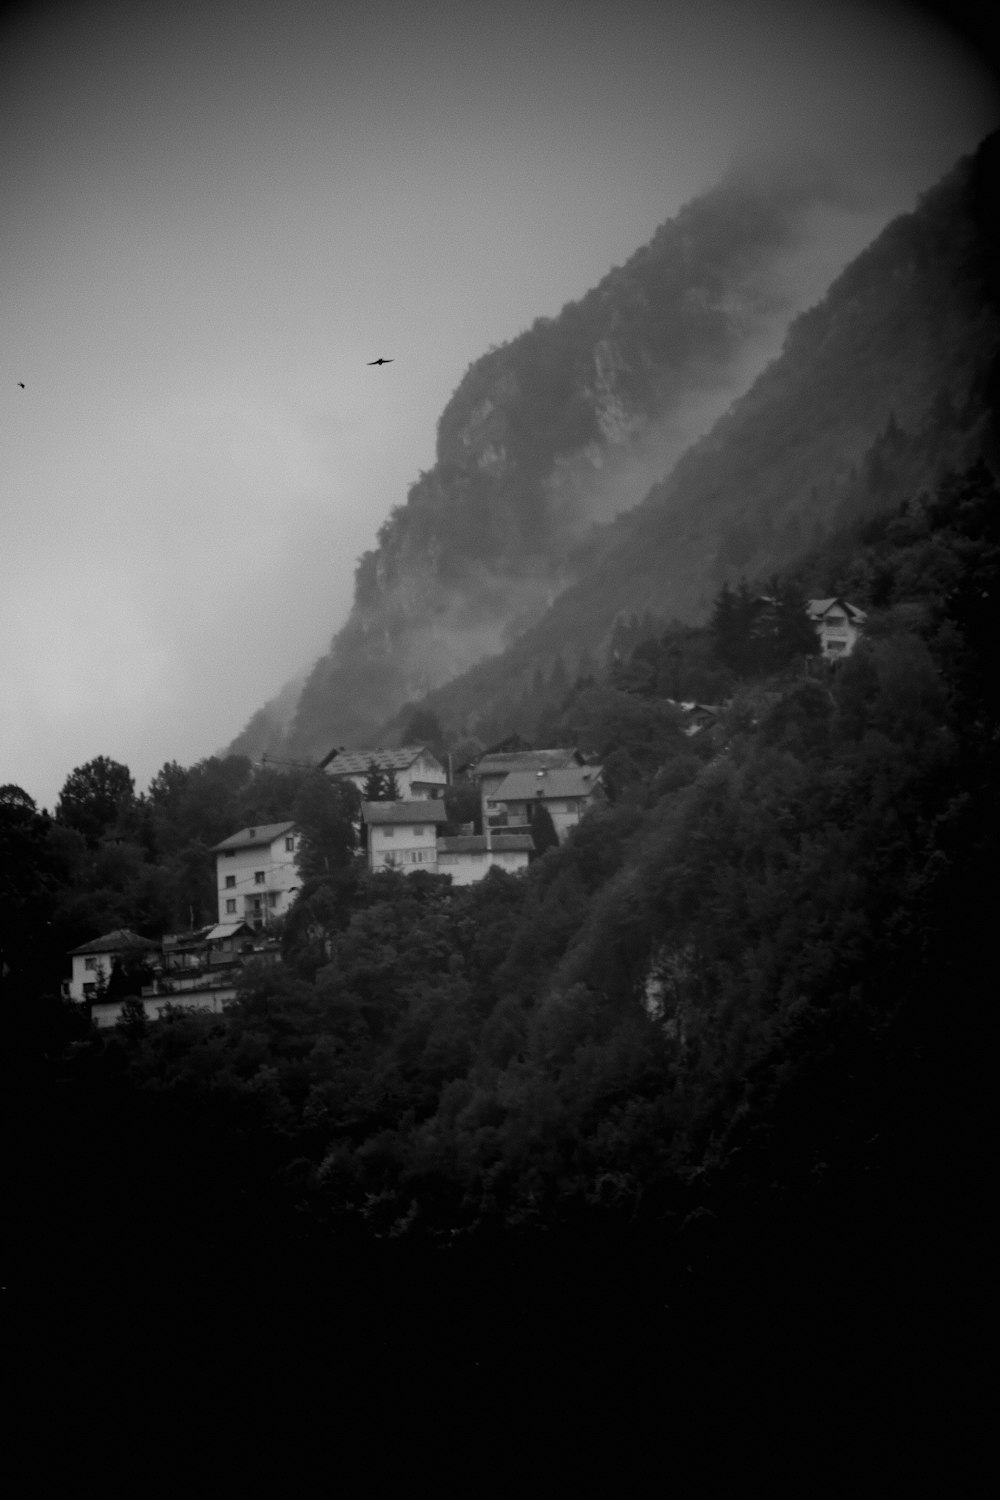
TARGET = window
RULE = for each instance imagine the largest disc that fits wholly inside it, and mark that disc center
(230, 882)
(418, 832)
(290, 845)
(230, 853)
(90, 963)
(231, 907)
(389, 833)
(258, 877)
(272, 898)
(89, 991)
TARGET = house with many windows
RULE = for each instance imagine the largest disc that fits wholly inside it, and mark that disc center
(838, 623)
(256, 875)
(419, 774)
(403, 835)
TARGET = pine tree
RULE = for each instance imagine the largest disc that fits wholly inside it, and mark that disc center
(391, 792)
(543, 830)
(374, 787)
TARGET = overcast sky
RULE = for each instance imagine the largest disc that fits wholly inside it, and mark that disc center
(211, 217)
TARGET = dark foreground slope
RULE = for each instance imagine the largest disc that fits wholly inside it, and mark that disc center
(689, 1125)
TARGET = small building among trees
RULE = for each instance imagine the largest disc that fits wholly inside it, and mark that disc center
(839, 625)
(411, 773)
(94, 962)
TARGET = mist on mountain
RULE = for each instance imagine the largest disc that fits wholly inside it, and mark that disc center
(568, 425)
(880, 389)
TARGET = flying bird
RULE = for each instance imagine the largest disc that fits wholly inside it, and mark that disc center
(21, 384)
(381, 361)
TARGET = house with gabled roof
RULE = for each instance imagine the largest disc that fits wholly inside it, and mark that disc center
(93, 961)
(493, 767)
(403, 835)
(418, 772)
(697, 716)
(256, 877)
(566, 791)
(838, 623)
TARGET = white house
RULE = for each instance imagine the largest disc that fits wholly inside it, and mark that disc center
(468, 857)
(839, 625)
(93, 961)
(567, 792)
(194, 970)
(256, 875)
(403, 835)
(419, 774)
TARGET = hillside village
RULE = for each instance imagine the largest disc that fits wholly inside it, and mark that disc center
(400, 828)
(639, 971)
(707, 1032)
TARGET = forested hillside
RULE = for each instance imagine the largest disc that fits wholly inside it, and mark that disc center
(574, 420)
(882, 388)
(728, 1035)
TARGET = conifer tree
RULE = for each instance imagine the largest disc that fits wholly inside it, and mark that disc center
(374, 786)
(390, 787)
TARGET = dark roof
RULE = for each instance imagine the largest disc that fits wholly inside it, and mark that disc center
(358, 762)
(263, 833)
(525, 760)
(695, 708)
(475, 843)
(404, 812)
(119, 941)
(566, 781)
(819, 607)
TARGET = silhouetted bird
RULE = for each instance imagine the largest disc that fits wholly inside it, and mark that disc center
(21, 384)
(381, 361)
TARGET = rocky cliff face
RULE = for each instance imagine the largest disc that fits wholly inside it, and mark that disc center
(887, 384)
(567, 425)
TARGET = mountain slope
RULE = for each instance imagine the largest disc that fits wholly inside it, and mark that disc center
(886, 384)
(566, 425)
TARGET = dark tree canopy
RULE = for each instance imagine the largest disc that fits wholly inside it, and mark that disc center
(94, 796)
(326, 814)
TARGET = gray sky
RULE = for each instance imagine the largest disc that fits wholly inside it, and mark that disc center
(213, 214)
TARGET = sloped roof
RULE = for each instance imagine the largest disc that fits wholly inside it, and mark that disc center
(475, 843)
(357, 762)
(819, 607)
(263, 833)
(121, 940)
(525, 760)
(567, 781)
(404, 812)
(228, 930)
(185, 939)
